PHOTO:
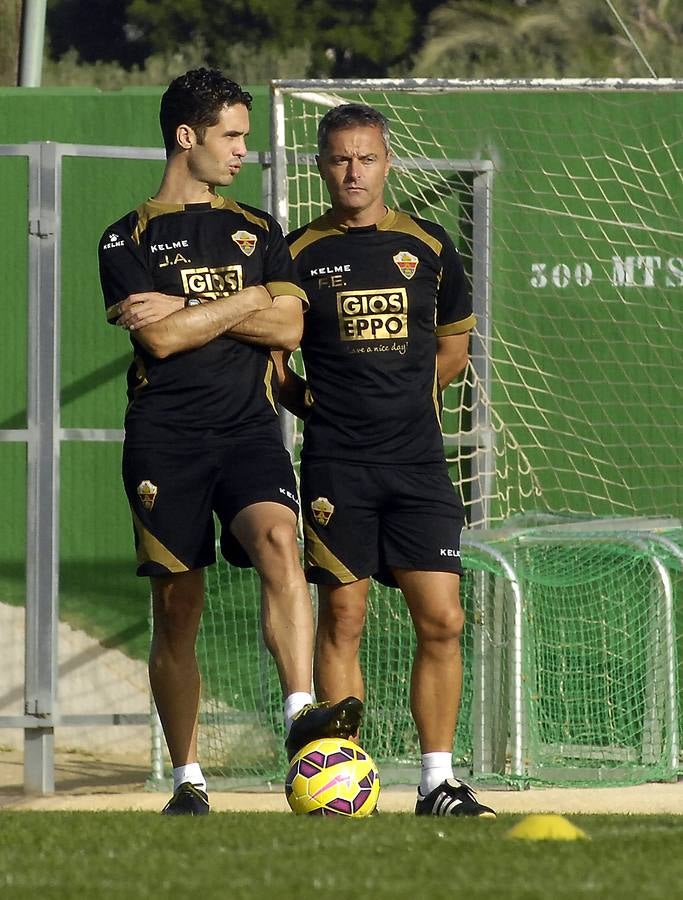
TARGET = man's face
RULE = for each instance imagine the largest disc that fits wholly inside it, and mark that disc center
(218, 158)
(354, 167)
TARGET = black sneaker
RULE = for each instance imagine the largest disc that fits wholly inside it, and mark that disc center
(320, 720)
(452, 798)
(188, 800)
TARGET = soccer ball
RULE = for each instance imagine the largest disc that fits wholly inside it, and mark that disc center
(332, 777)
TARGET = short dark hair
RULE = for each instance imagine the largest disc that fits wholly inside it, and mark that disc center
(346, 116)
(196, 99)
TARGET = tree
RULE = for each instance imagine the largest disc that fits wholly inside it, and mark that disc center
(99, 31)
(361, 39)
(10, 41)
(578, 38)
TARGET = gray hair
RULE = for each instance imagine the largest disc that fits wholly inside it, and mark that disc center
(346, 116)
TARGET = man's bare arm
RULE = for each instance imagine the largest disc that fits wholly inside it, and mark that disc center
(192, 327)
(293, 393)
(145, 308)
(279, 326)
(452, 355)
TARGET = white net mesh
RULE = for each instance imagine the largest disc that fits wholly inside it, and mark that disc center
(565, 205)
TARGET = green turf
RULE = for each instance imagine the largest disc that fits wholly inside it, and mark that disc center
(251, 855)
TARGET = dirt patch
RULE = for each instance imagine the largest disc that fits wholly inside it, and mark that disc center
(87, 783)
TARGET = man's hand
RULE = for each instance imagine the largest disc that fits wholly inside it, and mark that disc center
(138, 310)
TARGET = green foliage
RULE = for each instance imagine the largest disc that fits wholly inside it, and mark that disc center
(158, 69)
(10, 16)
(578, 38)
(257, 40)
(79, 25)
(360, 39)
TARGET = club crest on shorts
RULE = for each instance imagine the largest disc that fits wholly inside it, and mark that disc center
(245, 241)
(147, 492)
(406, 262)
(322, 510)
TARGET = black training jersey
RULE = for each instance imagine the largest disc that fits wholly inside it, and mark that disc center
(379, 298)
(203, 250)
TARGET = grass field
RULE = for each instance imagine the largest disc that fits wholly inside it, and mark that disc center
(68, 856)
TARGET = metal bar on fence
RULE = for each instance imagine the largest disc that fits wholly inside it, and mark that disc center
(42, 509)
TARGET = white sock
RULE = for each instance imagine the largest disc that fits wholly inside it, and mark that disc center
(192, 772)
(436, 767)
(293, 704)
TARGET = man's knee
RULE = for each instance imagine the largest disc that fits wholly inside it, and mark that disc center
(341, 622)
(444, 625)
(177, 603)
(276, 554)
(280, 538)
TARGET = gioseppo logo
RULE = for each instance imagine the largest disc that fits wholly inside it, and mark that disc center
(212, 283)
(373, 315)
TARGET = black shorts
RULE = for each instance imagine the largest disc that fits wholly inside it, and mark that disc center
(173, 494)
(362, 521)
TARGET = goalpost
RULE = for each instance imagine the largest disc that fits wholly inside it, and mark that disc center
(564, 199)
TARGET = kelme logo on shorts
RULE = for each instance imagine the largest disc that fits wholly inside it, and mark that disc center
(245, 241)
(322, 510)
(406, 262)
(147, 492)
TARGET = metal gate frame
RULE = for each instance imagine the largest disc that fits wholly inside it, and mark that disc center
(43, 437)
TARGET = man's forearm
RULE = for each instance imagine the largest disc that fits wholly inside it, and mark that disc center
(451, 357)
(195, 326)
(278, 326)
(293, 391)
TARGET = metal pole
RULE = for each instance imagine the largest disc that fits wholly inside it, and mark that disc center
(42, 538)
(483, 462)
(32, 42)
(518, 738)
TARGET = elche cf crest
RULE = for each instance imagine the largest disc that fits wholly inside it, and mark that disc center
(406, 262)
(322, 510)
(245, 241)
(147, 492)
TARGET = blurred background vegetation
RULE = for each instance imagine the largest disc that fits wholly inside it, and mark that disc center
(117, 43)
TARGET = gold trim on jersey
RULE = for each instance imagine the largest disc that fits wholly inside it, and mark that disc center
(149, 210)
(402, 222)
(152, 208)
(394, 220)
(317, 229)
(228, 203)
(279, 288)
(317, 554)
(150, 549)
(268, 381)
(457, 327)
(436, 392)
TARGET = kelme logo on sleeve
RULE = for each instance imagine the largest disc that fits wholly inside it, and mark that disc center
(322, 510)
(245, 241)
(147, 492)
(407, 263)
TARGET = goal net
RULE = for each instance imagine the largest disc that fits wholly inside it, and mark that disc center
(564, 201)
